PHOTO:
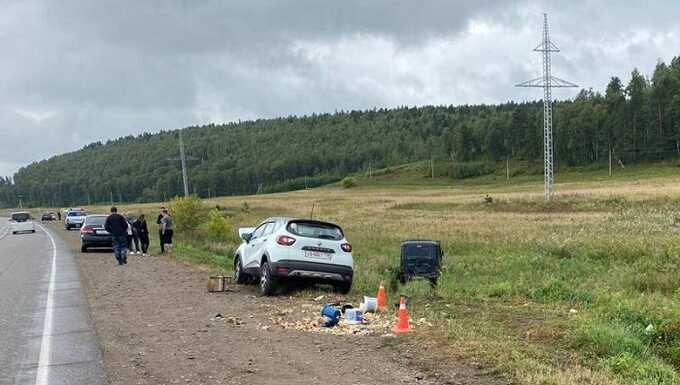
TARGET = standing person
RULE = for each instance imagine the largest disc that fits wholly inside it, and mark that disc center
(133, 238)
(142, 231)
(160, 232)
(166, 228)
(59, 215)
(118, 227)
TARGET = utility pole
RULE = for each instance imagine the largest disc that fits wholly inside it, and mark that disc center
(507, 168)
(183, 161)
(610, 161)
(547, 82)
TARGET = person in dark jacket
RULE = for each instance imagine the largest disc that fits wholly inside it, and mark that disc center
(118, 227)
(161, 237)
(142, 231)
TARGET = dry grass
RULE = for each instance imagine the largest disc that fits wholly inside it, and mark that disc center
(515, 268)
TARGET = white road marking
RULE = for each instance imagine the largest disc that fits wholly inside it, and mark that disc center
(42, 377)
(5, 230)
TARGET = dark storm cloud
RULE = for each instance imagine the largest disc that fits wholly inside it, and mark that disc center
(74, 72)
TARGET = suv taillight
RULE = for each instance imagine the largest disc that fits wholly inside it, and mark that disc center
(285, 240)
(87, 230)
(346, 247)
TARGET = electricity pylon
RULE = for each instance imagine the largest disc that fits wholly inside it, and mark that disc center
(547, 82)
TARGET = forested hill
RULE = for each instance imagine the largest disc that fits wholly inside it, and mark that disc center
(638, 120)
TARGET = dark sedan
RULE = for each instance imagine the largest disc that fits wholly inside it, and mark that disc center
(93, 234)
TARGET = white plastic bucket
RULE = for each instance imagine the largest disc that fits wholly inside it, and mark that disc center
(370, 304)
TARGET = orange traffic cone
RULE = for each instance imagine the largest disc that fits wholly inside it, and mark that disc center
(402, 325)
(382, 299)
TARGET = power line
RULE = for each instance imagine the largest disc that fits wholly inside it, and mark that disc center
(547, 82)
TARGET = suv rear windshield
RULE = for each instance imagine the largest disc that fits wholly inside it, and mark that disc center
(21, 217)
(95, 221)
(313, 229)
(420, 250)
(76, 214)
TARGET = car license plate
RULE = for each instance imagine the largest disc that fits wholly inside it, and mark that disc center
(317, 254)
(101, 232)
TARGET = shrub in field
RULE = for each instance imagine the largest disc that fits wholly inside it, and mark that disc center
(348, 182)
(462, 170)
(245, 208)
(218, 228)
(188, 212)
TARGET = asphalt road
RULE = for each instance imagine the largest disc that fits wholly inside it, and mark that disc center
(45, 333)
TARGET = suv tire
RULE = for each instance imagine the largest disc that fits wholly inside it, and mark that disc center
(240, 276)
(83, 249)
(343, 288)
(268, 284)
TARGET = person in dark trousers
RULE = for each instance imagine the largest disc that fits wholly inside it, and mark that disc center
(160, 232)
(166, 228)
(142, 231)
(133, 238)
(59, 216)
(118, 227)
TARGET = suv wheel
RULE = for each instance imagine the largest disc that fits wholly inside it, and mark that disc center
(83, 248)
(240, 276)
(268, 283)
(343, 288)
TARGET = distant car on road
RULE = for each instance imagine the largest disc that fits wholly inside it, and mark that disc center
(74, 218)
(93, 234)
(49, 216)
(20, 222)
(285, 248)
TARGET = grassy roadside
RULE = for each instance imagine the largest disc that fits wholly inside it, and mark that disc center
(581, 290)
(552, 293)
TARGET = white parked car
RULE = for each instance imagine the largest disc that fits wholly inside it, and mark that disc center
(21, 222)
(74, 218)
(284, 248)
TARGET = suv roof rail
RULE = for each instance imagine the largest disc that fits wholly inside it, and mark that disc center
(421, 240)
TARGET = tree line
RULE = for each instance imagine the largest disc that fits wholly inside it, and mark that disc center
(635, 121)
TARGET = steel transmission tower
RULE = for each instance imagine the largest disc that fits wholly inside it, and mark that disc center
(547, 82)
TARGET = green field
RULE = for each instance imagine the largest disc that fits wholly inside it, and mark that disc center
(582, 290)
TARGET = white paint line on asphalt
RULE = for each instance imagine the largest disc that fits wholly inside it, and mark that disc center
(5, 231)
(42, 377)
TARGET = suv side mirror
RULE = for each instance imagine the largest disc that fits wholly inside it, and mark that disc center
(247, 237)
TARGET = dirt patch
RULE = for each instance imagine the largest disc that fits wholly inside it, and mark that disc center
(153, 319)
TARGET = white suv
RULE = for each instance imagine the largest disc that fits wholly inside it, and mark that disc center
(20, 222)
(285, 248)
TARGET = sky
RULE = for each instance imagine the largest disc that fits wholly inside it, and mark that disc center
(73, 72)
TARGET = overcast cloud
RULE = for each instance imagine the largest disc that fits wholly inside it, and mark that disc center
(75, 72)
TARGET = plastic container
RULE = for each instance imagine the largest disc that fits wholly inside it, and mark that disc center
(331, 314)
(370, 304)
(354, 316)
